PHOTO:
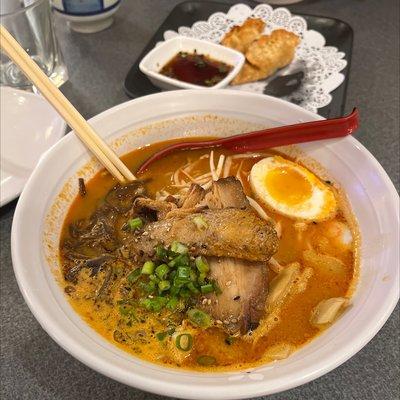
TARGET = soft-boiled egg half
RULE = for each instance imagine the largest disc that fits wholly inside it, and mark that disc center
(292, 190)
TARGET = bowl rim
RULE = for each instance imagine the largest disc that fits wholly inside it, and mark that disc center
(184, 390)
(181, 84)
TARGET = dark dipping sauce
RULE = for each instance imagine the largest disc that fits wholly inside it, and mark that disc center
(197, 69)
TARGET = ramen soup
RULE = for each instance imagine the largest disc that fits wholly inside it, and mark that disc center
(212, 260)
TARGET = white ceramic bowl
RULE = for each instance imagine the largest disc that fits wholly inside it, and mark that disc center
(165, 51)
(38, 218)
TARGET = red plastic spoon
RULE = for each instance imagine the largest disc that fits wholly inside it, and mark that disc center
(272, 137)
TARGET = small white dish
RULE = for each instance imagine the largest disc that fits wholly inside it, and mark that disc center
(29, 127)
(165, 51)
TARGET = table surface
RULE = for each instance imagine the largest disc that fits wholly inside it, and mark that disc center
(35, 367)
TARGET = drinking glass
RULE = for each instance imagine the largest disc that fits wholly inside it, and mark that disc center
(31, 24)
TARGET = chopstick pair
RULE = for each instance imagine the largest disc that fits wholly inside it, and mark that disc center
(69, 113)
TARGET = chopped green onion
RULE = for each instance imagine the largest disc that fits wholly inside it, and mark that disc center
(202, 277)
(135, 223)
(160, 302)
(162, 271)
(200, 222)
(199, 318)
(201, 264)
(161, 336)
(175, 304)
(180, 282)
(193, 275)
(208, 288)
(206, 360)
(184, 342)
(148, 287)
(164, 285)
(183, 272)
(148, 268)
(134, 275)
(178, 247)
(174, 290)
(154, 278)
(192, 288)
(161, 252)
(155, 304)
(172, 303)
(146, 303)
(185, 293)
(176, 282)
(182, 259)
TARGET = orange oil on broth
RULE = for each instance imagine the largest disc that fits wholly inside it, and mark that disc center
(294, 327)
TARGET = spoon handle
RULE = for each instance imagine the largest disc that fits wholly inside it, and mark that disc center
(293, 134)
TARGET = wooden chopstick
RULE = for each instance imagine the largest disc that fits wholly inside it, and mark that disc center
(74, 119)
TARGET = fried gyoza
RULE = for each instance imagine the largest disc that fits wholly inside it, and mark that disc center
(240, 37)
(273, 51)
(248, 73)
(267, 54)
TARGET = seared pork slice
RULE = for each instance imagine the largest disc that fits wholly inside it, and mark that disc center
(162, 208)
(194, 197)
(244, 285)
(226, 192)
(190, 204)
(230, 232)
(181, 212)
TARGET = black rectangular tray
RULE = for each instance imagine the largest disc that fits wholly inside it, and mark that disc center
(337, 33)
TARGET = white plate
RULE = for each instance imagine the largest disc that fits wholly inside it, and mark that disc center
(37, 224)
(29, 127)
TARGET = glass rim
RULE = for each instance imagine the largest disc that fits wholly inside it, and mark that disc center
(21, 10)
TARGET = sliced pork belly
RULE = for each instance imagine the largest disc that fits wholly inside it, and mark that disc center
(241, 304)
(230, 232)
(162, 208)
(226, 192)
(194, 197)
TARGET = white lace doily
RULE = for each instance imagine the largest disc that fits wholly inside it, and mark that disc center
(321, 64)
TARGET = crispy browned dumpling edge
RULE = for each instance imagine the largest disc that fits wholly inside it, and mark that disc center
(254, 71)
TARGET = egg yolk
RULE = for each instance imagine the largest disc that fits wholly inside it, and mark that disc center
(288, 186)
